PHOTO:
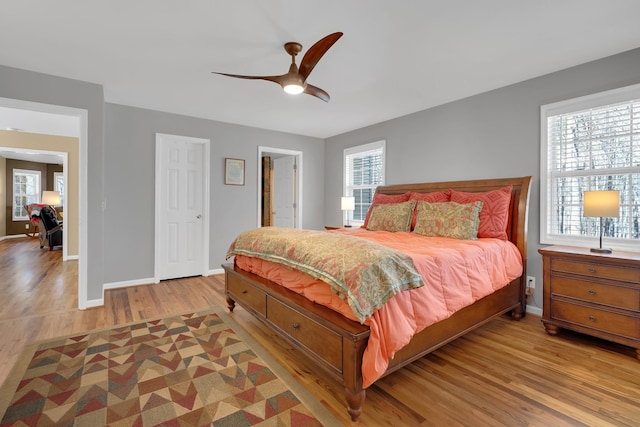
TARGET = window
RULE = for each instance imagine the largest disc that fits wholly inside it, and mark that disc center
(363, 172)
(26, 190)
(590, 143)
(58, 185)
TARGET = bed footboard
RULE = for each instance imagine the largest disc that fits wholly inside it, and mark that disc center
(336, 344)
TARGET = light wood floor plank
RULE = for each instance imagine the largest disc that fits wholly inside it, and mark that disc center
(506, 373)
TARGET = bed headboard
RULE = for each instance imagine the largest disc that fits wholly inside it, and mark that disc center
(518, 210)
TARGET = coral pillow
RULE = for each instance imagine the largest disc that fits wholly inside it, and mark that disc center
(383, 199)
(448, 219)
(391, 217)
(494, 216)
(434, 197)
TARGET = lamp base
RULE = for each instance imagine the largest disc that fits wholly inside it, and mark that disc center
(601, 250)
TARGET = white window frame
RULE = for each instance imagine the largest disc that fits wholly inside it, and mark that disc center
(58, 185)
(35, 197)
(594, 101)
(354, 152)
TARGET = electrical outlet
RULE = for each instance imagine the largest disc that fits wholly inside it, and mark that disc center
(26, 226)
(531, 282)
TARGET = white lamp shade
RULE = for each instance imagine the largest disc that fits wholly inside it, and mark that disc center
(348, 203)
(604, 203)
(51, 198)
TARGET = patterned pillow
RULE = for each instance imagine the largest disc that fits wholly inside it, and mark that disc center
(391, 217)
(379, 199)
(494, 216)
(434, 197)
(448, 219)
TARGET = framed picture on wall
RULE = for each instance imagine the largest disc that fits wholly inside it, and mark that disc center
(233, 171)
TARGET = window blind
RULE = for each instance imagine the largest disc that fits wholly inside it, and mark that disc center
(364, 171)
(596, 148)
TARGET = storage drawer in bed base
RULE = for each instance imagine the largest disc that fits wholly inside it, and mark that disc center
(325, 336)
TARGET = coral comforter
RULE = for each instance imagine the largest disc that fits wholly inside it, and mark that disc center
(363, 273)
(455, 273)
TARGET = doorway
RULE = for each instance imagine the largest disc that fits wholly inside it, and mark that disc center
(48, 159)
(279, 187)
(76, 120)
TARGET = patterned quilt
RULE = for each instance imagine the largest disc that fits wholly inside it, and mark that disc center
(362, 273)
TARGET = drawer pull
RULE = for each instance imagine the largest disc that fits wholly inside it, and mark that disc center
(592, 318)
(592, 270)
(592, 292)
(296, 326)
(244, 291)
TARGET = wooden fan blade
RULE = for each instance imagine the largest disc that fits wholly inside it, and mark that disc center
(316, 52)
(317, 92)
(276, 79)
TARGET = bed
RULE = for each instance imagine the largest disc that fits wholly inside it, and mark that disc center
(336, 343)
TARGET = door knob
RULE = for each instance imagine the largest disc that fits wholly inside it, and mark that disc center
(199, 216)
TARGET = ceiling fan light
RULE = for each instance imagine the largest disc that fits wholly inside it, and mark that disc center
(293, 89)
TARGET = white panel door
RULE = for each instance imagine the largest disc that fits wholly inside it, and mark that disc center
(181, 207)
(284, 191)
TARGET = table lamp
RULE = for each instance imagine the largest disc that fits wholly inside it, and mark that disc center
(348, 204)
(51, 198)
(604, 203)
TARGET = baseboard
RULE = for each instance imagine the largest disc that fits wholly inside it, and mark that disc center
(94, 303)
(127, 283)
(13, 236)
(147, 281)
(534, 310)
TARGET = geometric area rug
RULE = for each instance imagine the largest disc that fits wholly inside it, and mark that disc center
(194, 369)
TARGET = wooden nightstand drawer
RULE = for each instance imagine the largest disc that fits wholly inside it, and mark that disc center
(592, 293)
(246, 294)
(596, 319)
(319, 339)
(596, 270)
(615, 296)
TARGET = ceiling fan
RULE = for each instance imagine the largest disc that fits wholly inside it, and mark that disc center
(295, 81)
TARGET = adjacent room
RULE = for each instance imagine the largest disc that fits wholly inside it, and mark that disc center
(323, 213)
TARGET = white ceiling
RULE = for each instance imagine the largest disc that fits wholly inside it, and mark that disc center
(31, 156)
(395, 58)
(36, 122)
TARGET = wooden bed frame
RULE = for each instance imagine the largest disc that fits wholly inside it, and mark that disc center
(336, 344)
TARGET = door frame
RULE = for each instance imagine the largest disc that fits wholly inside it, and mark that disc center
(205, 202)
(82, 117)
(298, 154)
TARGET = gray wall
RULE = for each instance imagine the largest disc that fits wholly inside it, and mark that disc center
(130, 184)
(36, 87)
(491, 135)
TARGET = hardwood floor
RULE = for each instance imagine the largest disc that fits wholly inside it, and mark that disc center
(506, 373)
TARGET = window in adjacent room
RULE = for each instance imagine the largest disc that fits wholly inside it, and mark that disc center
(363, 172)
(590, 143)
(26, 190)
(58, 185)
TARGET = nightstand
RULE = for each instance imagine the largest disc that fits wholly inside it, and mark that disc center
(591, 293)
